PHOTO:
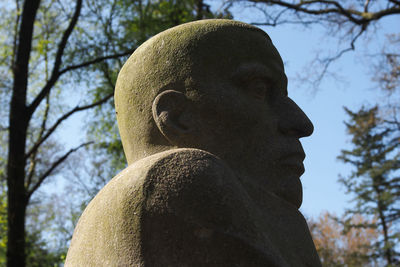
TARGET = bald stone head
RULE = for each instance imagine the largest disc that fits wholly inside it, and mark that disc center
(219, 86)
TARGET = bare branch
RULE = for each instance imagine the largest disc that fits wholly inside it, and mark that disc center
(57, 72)
(394, 122)
(323, 11)
(395, 2)
(88, 63)
(106, 72)
(334, 7)
(281, 22)
(94, 61)
(58, 60)
(366, 4)
(302, 7)
(383, 13)
(33, 161)
(63, 118)
(52, 168)
(326, 62)
(276, 19)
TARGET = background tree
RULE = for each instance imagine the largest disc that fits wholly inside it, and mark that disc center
(375, 181)
(339, 246)
(37, 61)
(345, 23)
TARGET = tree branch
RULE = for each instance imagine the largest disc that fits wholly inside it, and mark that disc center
(51, 169)
(385, 12)
(326, 62)
(63, 118)
(94, 61)
(33, 156)
(334, 7)
(85, 64)
(58, 60)
(395, 2)
(337, 9)
(33, 161)
(276, 19)
(329, 11)
(366, 4)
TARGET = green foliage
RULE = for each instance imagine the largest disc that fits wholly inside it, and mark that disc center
(3, 223)
(375, 180)
(38, 255)
(3, 201)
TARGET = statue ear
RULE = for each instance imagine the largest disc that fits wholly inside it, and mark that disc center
(169, 108)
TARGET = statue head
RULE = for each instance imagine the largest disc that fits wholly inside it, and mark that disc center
(219, 86)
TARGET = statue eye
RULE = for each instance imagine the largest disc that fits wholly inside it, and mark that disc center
(259, 89)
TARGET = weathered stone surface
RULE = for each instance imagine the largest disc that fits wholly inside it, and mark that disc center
(212, 142)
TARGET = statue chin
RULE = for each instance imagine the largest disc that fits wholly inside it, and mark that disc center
(295, 197)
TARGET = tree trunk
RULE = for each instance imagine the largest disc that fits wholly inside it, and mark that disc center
(387, 247)
(199, 9)
(18, 125)
(381, 208)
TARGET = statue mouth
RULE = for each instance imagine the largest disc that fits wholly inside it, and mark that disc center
(292, 163)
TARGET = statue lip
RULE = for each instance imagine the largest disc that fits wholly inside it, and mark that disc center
(293, 162)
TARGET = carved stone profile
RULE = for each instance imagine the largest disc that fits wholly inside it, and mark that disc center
(214, 157)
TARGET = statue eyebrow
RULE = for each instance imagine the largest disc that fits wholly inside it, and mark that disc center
(272, 72)
(247, 71)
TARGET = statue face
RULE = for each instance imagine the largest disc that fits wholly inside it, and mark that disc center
(246, 117)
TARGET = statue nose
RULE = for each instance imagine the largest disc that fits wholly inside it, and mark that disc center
(293, 121)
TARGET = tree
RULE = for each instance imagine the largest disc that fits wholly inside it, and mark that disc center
(345, 22)
(375, 181)
(338, 246)
(28, 50)
(36, 253)
(3, 225)
(388, 68)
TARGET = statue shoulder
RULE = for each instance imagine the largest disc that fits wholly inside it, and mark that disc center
(183, 184)
(173, 172)
(185, 180)
(196, 213)
(180, 171)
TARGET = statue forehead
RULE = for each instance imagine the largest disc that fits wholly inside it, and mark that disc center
(200, 38)
(197, 30)
(203, 43)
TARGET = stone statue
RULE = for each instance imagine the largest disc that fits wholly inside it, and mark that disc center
(214, 158)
